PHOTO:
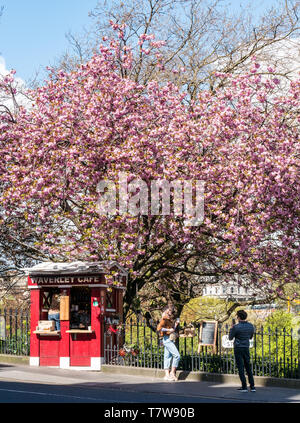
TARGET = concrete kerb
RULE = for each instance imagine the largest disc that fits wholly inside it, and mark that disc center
(182, 375)
(14, 359)
(201, 376)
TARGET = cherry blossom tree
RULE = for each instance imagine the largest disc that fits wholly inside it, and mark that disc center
(89, 125)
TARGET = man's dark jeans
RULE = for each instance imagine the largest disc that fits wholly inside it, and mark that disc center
(242, 358)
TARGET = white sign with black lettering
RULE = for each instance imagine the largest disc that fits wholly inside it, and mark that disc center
(229, 344)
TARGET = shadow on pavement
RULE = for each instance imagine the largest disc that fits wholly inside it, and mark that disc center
(43, 384)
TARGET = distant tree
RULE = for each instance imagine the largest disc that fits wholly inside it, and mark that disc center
(277, 336)
(279, 319)
(206, 308)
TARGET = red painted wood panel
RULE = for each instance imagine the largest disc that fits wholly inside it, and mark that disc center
(65, 337)
(80, 349)
(35, 300)
(95, 323)
(49, 351)
(49, 361)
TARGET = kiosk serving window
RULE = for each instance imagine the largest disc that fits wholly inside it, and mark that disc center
(80, 304)
(47, 295)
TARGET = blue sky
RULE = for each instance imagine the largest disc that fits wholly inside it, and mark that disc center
(32, 32)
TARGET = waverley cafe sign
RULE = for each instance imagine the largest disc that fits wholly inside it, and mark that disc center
(66, 280)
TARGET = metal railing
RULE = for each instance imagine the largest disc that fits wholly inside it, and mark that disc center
(274, 353)
(14, 332)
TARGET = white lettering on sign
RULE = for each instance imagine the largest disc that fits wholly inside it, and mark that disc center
(56, 280)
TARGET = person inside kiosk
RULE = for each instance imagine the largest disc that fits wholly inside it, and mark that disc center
(80, 316)
(54, 310)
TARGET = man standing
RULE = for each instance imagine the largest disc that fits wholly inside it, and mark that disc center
(242, 332)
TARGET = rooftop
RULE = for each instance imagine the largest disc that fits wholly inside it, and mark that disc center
(78, 267)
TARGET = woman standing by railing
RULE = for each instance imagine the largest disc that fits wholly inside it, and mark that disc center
(166, 328)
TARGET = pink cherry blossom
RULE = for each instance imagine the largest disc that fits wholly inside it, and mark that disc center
(91, 124)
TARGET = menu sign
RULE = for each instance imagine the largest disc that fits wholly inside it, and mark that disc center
(208, 334)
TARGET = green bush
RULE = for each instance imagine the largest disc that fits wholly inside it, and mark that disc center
(278, 339)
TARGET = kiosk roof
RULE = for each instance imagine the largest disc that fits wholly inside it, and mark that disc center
(77, 267)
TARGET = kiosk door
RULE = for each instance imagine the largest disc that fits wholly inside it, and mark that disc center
(80, 322)
(80, 351)
(49, 345)
(49, 351)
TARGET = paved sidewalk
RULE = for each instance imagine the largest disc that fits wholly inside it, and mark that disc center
(121, 382)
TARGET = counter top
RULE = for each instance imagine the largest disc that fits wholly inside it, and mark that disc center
(47, 333)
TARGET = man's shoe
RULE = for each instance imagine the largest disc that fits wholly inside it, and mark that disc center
(168, 378)
(253, 389)
(242, 389)
(173, 377)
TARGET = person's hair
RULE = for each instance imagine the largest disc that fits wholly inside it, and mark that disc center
(242, 314)
(166, 309)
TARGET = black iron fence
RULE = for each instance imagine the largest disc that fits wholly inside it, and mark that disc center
(274, 353)
(14, 332)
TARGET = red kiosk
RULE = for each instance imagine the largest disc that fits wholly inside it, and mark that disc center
(85, 301)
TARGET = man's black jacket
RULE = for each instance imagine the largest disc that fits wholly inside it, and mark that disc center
(241, 332)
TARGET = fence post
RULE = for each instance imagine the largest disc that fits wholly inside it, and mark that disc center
(10, 323)
(298, 353)
(5, 344)
(291, 356)
(270, 366)
(284, 350)
(16, 331)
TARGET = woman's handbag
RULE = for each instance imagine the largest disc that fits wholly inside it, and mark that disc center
(173, 336)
